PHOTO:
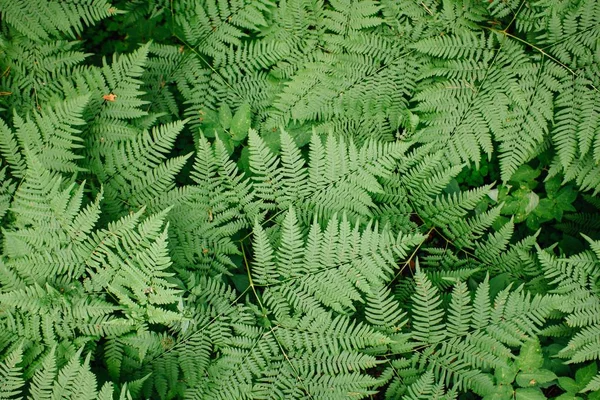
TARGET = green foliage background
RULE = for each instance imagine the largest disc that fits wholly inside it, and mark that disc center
(300, 199)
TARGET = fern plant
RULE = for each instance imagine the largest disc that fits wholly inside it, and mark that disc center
(266, 199)
(73, 380)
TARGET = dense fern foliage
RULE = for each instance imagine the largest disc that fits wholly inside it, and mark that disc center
(300, 199)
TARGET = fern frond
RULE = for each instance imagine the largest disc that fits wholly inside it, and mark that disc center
(427, 316)
(533, 109)
(450, 208)
(224, 199)
(477, 335)
(42, 20)
(576, 279)
(426, 388)
(383, 312)
(336, 170)
(337, 268)
(11, 380)
(137, 173)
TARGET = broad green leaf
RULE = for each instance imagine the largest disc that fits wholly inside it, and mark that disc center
(525, 175)
(226, 139)
(240, 122)
(568, 384)
(452, 187)
(210, 123)
(498, 284)
(520, 204)
(244, 160)
(225, 116)
(593, 396)
(584, 375)
(531, 357)
(529, 394)
(546, 209)
(535, 378)
(502, 392)
(567, 396)
(272, 140)
(552, 185)
(565, 197)
(554, 363)
(506, 375)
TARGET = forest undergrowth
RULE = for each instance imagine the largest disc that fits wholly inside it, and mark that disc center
(300, 199)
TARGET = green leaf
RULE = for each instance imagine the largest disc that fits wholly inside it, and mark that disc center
(535, 378)
(452, 187)
(272, 140)
(225, 116)
(565, 197)
(244, 160)
(498, 284)
(552, 185)
(522, 202)
(593, 396)
(554, 207)
(226, 139)
(554, 363)
(531, 357)
(502, 392)
(506, 375)
(241, 282)
(568, 384)
(546, 209)
(500, 222)
(525, 175)
(567, 396)
(533, 222)
(210, 123)
(241, 122)
(529, 394)
(584, 375)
